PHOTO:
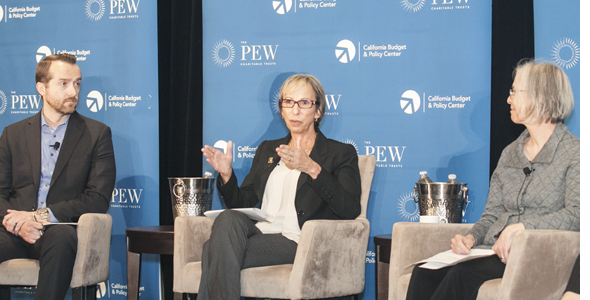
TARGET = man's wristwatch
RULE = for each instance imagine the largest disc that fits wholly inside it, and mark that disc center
(43, 213)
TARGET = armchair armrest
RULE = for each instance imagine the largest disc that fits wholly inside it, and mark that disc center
(190, 233)
(94, 243)
(327, 250)
(412, 242)
(539, 266)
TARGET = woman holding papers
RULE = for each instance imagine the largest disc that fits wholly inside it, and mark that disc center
(536, 185)
(303, 176)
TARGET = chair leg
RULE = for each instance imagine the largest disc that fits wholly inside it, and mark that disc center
(78, 293)
(5, 292)
(91, 292)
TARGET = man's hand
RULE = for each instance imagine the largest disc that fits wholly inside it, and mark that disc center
(15, 219)
(30, 231)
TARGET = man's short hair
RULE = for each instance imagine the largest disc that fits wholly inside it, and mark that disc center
(548, 96)
(42, 72)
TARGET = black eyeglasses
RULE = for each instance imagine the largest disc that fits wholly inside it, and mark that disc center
(288, 103)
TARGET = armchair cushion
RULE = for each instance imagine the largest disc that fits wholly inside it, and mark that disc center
(92, 259)
(330, 256)
(190, 233)
(412, 242)
(538, 267)
(94, 244)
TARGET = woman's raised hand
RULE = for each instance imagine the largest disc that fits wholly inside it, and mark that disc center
(220, 161)
(297, 158)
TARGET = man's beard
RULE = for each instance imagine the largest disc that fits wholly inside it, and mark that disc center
(61, 107)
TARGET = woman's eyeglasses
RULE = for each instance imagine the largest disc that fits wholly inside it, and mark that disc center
(288, 103)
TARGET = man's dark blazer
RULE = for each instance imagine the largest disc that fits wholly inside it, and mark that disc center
(84, 174)
(334, 194)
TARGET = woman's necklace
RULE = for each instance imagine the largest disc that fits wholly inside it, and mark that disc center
(291, 145)
(303, 150)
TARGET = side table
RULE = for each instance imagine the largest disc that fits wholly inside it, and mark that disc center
(383, 253)
(146, 239)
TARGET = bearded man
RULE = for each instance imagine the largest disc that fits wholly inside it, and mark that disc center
(54, 167)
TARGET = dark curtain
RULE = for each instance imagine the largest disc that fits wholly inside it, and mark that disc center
(513, 38)
(180, 63)
(180, 76)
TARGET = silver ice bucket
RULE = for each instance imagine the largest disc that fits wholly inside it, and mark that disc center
(191, 196)
(444, 200)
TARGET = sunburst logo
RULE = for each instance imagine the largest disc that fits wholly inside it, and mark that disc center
(223, 53)
(408, 208)
(276, 103)
(94, 9)
(351, 142)
(413, 7)
(3, 102)
(566, 53)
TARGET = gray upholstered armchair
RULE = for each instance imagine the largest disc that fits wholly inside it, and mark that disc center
(330, 259)
(539, 265)
(91, 266)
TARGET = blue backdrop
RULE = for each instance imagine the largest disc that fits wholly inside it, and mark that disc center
(557, 39)
(116, 46)
(406, 81)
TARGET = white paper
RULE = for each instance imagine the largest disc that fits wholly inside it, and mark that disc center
(448, 258)
(253, 213)
(65, 223)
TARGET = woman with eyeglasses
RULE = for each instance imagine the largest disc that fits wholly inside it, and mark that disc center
(303, 176)
(536, 185)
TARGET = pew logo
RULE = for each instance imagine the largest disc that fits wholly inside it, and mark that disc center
(3, 102)
(126, 198)
(386, 156)
(282, 7)
(223, 53)
(345, 51)
(94, 9)
(410, 102)
(351, 142)
(413, 6)
(42, 52)
(408, 208)
(123, 9)
(332, 102)
(566, 53)
(94, 101)
(258, 55)
(25, 104)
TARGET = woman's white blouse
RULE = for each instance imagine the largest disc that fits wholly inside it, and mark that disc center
(278, 202)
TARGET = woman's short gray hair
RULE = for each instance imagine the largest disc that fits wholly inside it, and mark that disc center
(548, 96)
(299, 80)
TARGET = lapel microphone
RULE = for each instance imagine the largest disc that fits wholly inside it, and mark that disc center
(55, 146)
